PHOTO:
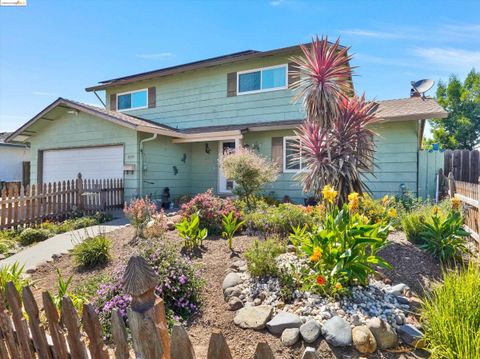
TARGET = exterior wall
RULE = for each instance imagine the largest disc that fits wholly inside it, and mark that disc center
(204, 167)
(199, 98)
(84, 130)
(11, 158)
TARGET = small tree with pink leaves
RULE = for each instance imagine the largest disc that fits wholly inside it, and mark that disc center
(139, 212)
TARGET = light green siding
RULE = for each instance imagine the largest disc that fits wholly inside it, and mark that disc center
(429, 162)
(83, 130)
(204, 167)
(199, 98)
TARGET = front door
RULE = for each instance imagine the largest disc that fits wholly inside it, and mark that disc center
(225, 185)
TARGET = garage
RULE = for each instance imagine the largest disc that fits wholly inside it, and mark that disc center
(92, 162)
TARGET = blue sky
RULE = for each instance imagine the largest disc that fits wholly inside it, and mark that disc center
(57, 48)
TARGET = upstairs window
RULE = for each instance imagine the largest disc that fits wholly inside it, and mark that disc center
(265, 79)
(291, 162)
(132, 100)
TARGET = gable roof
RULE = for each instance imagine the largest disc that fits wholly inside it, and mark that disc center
(411, 108)
(214, 61)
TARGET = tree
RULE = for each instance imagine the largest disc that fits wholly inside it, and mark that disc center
(335, 144)
(461, 129)
(249, 171)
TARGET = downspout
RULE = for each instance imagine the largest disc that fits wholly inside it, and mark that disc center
(141, 160)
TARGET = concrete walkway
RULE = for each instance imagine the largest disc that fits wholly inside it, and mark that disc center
(41, 252)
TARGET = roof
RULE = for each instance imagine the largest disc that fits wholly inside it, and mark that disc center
(214, 61)
(4, 136)
(411, 108)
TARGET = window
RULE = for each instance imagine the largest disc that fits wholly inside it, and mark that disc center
(291, 162)
(132, 100)
(266, 79)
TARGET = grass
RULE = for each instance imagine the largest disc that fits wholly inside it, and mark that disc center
(93, 252)
(451, 315)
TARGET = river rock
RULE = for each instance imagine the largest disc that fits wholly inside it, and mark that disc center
(397, 289)
(234, 303)
(382, 331)
(411, 336)
(253, 317)
(363, 340)
(231, 292)
(337, 332)
(282, 321)
(231, 280)
(310, 331)
(290, 336)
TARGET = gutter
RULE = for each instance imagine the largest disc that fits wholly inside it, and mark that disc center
(141, 160)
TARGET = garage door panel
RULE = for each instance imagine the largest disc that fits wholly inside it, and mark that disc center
(93, 163)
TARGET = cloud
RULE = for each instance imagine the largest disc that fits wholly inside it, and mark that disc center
(374, 34)
(156, 56)
(277, 2)
(458, 32)
(382, 60)
(450, 59)
(44, 93)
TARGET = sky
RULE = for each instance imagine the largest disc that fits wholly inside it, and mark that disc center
(56, 48)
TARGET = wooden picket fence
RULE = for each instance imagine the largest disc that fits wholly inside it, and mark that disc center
(469, 194)
(464, 164)
(63, 335)
(33, 204)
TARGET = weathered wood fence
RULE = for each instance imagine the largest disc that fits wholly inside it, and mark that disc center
(464, 164)
(469, 194)
(32, 204)
(68, 335)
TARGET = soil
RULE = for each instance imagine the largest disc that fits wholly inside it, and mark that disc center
(411, 266)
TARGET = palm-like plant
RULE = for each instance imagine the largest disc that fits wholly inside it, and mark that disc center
(325, 78)
(334, 141)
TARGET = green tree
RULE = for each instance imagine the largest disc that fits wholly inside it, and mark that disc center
(461, 129)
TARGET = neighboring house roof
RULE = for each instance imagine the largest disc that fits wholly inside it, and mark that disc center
(3, 137)
(214, 61)
(413, 108)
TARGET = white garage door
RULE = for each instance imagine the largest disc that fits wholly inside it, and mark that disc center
(92, 163)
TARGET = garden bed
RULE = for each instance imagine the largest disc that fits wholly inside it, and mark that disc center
(216, 261)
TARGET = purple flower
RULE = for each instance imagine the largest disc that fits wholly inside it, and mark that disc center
(182, 279)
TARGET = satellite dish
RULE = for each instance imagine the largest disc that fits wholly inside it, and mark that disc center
(422, 86)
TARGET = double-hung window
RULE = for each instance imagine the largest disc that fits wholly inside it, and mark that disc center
(133, 100)
(264, 79)
(292, 159)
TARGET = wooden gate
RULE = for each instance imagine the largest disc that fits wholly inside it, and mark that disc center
(464, 164)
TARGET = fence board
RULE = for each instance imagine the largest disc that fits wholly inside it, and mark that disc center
(217, 347)
(464, 164)
(119, 334)
(74, 337)
(93, 329)
(56, 332)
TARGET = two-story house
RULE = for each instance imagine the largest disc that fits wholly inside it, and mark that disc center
(168, 127)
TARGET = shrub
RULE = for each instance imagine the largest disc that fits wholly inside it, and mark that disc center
(210, 209)
(377, 210)
(445, 239)
(189, 229)
(139, 212)
(93, 251)
(157, 227)
(279, 220)
(230, 226)
(12, 273)
(84, 222)
(32, 235)
(7, 241)
(261, 257)
(249, 170)
(63, 290)
(451, 315)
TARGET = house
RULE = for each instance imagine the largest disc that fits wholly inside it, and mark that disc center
(14, 162)
(168, 127)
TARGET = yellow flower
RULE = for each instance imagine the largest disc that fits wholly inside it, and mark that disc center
(329, 194)
(392, 212)
(456, 203)
(435, 210)
(317, 253)
(363, 219)
(353, 201)
(338, 286)
(385, 200)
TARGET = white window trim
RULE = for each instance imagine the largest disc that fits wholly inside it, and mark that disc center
(132, 92)
(261, 69)
(285, 169)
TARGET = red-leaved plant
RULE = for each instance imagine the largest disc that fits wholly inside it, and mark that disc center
(139, 212)
(334, 141)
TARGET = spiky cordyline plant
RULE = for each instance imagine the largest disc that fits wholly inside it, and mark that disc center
(324, 79)
(335, 155)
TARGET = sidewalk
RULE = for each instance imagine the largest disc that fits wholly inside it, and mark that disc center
(41, 252)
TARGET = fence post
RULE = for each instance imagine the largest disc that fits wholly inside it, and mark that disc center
(451, 185)
(80, 205)
(146, 317)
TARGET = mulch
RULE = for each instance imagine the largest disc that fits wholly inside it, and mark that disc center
(411, 266)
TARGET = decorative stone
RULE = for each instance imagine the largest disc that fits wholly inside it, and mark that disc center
(231, 280)
(363, 340)
(290, 336)
(253, 317)
(402, 300)
(310, 331)
(384, 334)
(337, 332)
(291, 248)
(397, 289)
(257, 301)
(309, 353)
(234, 303)
(170, 225)
(282, 321)
(231, 292)
(411, 336)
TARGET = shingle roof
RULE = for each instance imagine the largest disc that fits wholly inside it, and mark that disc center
(409, 108)
(3, 136)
